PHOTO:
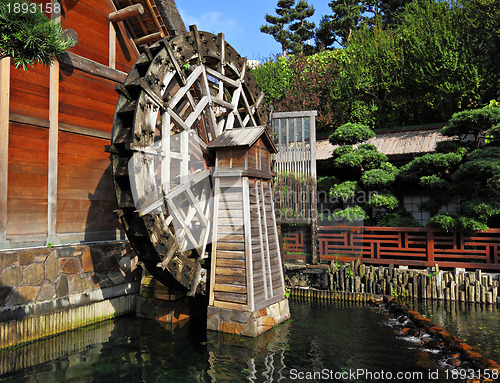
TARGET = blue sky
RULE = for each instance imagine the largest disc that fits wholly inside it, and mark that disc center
(240, 20)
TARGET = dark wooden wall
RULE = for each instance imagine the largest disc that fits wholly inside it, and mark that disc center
(55, 176)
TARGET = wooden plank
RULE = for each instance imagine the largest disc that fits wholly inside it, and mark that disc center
(29, 93)
(232, 280)
(266, 241)
(112, 46)
(230, 271)
(231, 306)
(260, 254)
(4, 142)
(230, 297)
(230, 238)
(232, 213)
(53, 149)
(214, 242)
(248, 243)
(236, 263)
(230, 254)
(231, 246)
(230, 288)
(91, 67)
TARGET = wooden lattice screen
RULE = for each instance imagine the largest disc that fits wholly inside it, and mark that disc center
(295, 192)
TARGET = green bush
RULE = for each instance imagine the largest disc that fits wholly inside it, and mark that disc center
(443, 221)
(396, 219)
(345, 190)
(475, 121)
(433, 182)
(351, 134)
(386, 201)
(377, 178)
(351, 214)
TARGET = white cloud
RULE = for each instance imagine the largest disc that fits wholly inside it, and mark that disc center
(211, 21)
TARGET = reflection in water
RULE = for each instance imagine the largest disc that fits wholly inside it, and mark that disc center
(336, 337)
(476, 324)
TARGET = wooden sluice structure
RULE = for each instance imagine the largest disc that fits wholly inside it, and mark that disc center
(246, 270)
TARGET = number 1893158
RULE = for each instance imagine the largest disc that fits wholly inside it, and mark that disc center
(25, 7)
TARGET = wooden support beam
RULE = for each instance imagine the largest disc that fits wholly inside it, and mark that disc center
(126, 13)
(112, 46)
(53, 146)
(149, 38)
(4, 142)
(92, 67)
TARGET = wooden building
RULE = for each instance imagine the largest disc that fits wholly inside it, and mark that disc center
(55, 178)
(247, 274)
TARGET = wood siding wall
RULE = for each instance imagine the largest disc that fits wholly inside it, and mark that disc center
(247, 272)
(64, 189)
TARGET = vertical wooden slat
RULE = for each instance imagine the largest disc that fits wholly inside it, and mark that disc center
(165, 148)
(4, 143)
(215, 232)
(261, 222)
(53, 142)
(276, 238)
(247, 229)
(314, 191)
(430, 247)
(266, 237)
(112, 45)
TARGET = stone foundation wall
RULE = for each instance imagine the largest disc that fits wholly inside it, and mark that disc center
(246, 322)
(40, 281)
(456, 285)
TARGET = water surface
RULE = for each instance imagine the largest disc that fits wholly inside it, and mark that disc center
(327, 339)
(477, 324)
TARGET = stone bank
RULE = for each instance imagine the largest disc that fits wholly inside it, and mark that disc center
(48, 290)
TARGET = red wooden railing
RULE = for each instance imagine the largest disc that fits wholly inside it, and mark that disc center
(294, 246)
(405, 246)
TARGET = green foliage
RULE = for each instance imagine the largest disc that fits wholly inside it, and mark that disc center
(397, 219)
(446, 222)
(383, 200)
(351, 214)
(338, 27)
(431, 164)
(371, 159)
(377, 179)
(350, 134)
(480, 210)
(311, 80)
(493, 134)
(273, 78)
(344, 190)
(456, 146)
(29, 38)
(476, 122)
(433, 182)
(290, 27)
(326, 183)
(443, 221)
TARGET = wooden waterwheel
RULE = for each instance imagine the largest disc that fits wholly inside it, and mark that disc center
(179, 96)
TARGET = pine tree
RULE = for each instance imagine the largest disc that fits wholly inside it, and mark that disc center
(302, 29)
(338, 27)
(290, 28)
(29, 37)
